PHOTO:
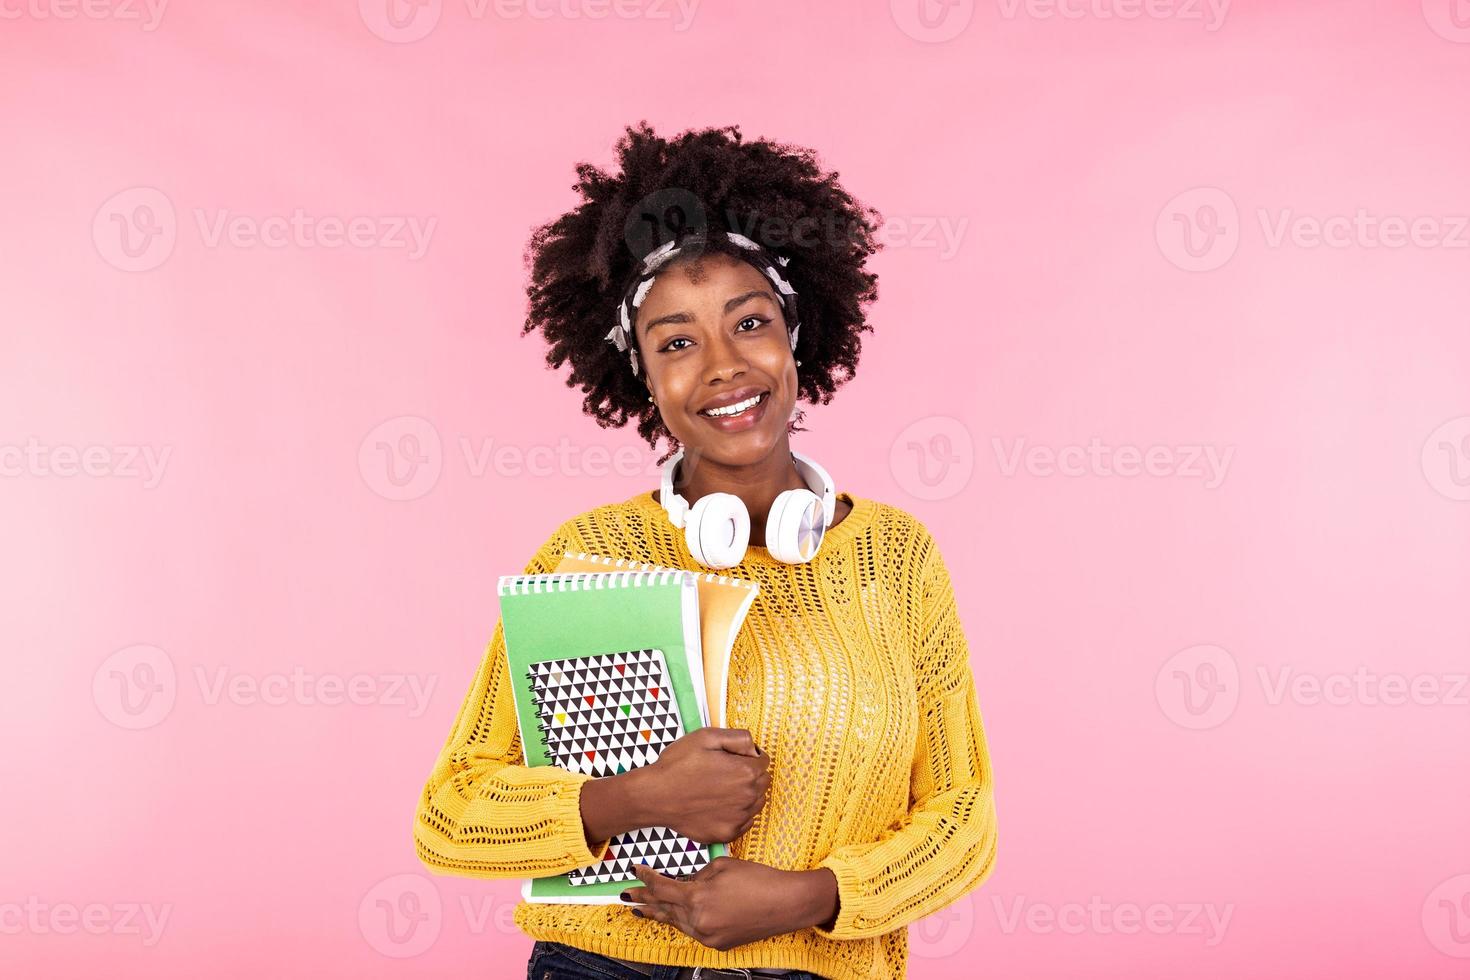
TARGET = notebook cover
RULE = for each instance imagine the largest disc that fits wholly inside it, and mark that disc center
(562, 619)
(723, 603)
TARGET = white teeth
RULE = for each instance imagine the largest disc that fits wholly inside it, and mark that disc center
(734, 409)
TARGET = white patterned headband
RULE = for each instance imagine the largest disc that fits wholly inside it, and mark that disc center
(621, 334)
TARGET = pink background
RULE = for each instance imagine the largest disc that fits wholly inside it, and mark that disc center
(1128, 633)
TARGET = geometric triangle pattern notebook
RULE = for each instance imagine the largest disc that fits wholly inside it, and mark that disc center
(603, 715)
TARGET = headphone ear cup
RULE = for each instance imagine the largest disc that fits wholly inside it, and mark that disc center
(795, 528)
(717, 530)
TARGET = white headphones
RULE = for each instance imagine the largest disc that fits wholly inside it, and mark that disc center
(717, 527)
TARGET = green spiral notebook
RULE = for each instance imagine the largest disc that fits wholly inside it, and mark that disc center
(606, 670)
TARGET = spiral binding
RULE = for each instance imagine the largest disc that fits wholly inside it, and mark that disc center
(577, 581)
(542, 729)
(628, 563)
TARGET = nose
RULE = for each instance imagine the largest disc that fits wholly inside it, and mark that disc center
(724, 359)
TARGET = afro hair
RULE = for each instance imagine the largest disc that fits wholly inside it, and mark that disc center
(707, 180)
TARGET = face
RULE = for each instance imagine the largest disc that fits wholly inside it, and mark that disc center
(711, 330)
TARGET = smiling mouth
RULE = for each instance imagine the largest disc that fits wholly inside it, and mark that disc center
(736, 410)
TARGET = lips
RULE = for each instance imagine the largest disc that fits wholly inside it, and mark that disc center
(734, 398)
(745, 421)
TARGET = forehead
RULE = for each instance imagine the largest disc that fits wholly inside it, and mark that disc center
(705, 279)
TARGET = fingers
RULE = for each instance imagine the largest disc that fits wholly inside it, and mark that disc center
(658, 887)
(736, 740)
(656, 912)
(660, 898)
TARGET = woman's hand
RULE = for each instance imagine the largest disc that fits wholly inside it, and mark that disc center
(708, 785)
(731, 901)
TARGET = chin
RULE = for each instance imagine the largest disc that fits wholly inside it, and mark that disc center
(735, 449)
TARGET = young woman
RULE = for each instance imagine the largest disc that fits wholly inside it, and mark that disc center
(703, 289)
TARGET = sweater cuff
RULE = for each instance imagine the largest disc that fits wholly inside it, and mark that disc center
(566, 809)
(848, 923)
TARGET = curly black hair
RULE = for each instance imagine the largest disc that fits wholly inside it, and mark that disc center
(701, 180)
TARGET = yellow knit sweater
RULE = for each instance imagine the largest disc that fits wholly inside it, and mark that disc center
(851, 671)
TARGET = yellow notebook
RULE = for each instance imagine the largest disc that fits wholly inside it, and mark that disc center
(723, 603)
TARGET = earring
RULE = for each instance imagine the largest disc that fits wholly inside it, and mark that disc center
(798, 364)
(650, 398)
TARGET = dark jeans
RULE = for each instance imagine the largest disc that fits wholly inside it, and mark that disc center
(557, 961)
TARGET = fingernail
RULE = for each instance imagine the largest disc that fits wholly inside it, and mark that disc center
(638, 912)
(624, 896)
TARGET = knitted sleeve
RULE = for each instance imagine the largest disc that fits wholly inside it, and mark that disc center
(485, 814)
(945, 845)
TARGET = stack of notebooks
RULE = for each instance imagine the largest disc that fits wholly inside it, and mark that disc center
(611, 661)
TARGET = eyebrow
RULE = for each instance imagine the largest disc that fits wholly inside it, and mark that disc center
(683, 316)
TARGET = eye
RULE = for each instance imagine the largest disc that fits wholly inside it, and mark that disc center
(756, 321)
